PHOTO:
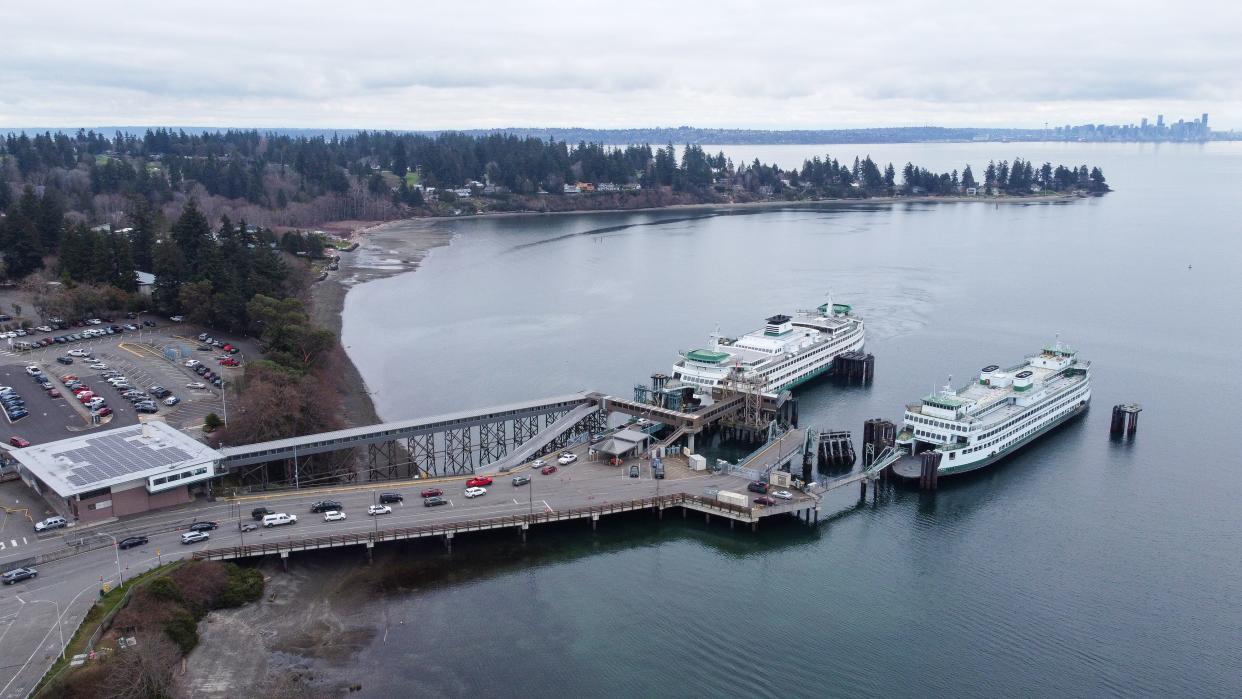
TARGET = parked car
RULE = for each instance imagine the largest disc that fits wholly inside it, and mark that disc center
(334, 516)
(51, 523)
(520, 480)
(104, 411)
(18, 442)
(146, 408)
(65, 360)
(229, 361)
(548, 470)
(433, 501)
(33, 370)
(132, 541)
(194, 537)
(634, 471)
(17, 414)
(259, 512)
(197, 385)
(19, 574)
(431, 492)
(204, 526)
(159, 391)
(657, 471)
(765, 500)
(783, 495)
(757, 487)
(479, 481)
(388, 498)
(177, 319)
(99, 365)
(566, 458)
(475, 492)
(325, 505)
(53, 393)
(379, 510)
(78, 353)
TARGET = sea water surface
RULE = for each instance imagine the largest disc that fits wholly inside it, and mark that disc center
(1080, 567)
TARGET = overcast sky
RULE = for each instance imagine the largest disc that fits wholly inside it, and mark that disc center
(624, 63)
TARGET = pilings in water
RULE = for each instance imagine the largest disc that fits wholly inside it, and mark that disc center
(1125, 420)
(878, 435)
(854, 368)
(929, 462)
(836, 450)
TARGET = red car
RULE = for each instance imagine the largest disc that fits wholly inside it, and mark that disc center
(68, 377)
(104, 411)
(478, 481)
(765, 500)
(548, 469)
(18, 442)
(432, 493)
(230, 362)
(53, 393)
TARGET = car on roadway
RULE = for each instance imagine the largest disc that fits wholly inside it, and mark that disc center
(783, 495)
(433, 501)
(249, 527)
(132, 541)
(538, 463)
(334, 516)
(479, 481)
(566, 458)
(379, 510)
(634, 471)
(326, 505)
(757, 487)
(197, 385)
(18, 575)
(204, 526)
(159, 391)
(548, 470)
(475, 492)
(765, 500)
(51, 523)
(521, 480)
(389, 498)
(18, 442)
(194, 537)
(431, 492)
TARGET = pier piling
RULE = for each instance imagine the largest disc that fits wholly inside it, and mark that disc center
(1125, 420)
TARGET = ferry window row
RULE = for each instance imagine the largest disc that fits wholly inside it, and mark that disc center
(952, 427)
(819, 350)
(1060, 407)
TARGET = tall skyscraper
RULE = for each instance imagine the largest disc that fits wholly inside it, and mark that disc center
(1143, 125)
(1204, 122)
(1159, 121)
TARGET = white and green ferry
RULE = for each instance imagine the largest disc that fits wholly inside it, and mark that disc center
(997, 414)
(786, 352)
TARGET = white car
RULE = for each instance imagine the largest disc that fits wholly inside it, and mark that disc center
(196, 384)
(95, 321)
(333, 516)
(78, 353)
(378, 510)
(99, 366)
(177, 319)
(44, 328)
(567, 459)
(33, 370)
(783, 495)
(96, 402)
(538, 463)
(192, 363)
(475, 492)
(194, 537)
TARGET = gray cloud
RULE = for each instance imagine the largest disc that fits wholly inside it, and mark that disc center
(731, 63)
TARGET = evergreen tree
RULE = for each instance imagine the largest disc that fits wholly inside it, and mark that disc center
(400, 165)
(968, 177)
(142, 239)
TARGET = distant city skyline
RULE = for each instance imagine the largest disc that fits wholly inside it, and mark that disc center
(736, 64)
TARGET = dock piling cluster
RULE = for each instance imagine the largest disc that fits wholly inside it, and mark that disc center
(1125, 420)
(854, 368)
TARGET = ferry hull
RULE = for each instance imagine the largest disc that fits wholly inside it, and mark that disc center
(908, 467)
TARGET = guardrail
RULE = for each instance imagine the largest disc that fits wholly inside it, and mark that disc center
(361, 539)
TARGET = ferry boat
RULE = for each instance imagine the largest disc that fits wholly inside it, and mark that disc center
(786, 352)
(1004, 410)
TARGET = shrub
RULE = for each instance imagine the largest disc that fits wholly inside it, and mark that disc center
(244, 585)
(164, 589)
(212, 422)
(182, 629)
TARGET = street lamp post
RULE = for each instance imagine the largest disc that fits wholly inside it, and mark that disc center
(116, 549)
(59, 627)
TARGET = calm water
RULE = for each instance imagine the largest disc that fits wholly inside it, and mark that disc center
(1080, 568)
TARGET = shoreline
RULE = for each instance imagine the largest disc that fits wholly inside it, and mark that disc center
(389, 248)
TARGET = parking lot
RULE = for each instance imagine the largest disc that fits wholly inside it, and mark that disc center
(150, 357)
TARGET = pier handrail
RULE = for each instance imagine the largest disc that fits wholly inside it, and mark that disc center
(401, 533)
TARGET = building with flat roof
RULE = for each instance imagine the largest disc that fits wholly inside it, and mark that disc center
(118, 472)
